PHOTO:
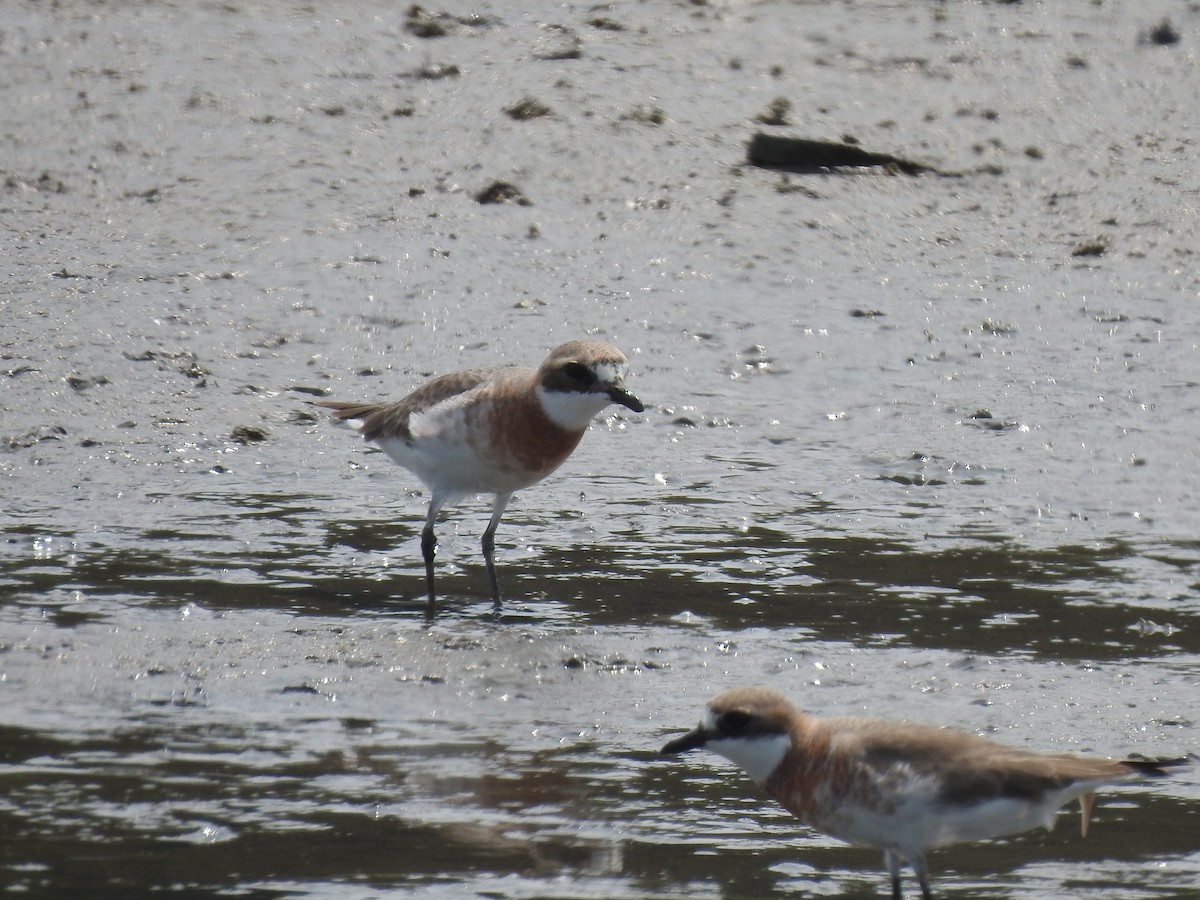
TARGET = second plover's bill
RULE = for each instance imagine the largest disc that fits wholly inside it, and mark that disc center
(902, 788)
(493, 430)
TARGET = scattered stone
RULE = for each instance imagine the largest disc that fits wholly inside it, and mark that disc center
(304, 688)
(82, 382)
(183, 361)
(437, 71)
(776, 113)
(606, 24)
(43, 184)
(35, 436)
(249, 434)
(559, 42)
(502, 192)
(528, 108)
(1164, 34)
(984, 419)
(995, 326)
(425, 24)
(150, 195)
(787, 186)
(1095, 247)
(615, 663)
(647, 115)
(913, 480)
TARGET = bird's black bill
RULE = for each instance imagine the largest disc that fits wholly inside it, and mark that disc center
(622, 396)
(690, 741)
(1155, 767)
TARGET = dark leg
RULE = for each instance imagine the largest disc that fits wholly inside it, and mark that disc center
(922, 871)
(893, 866)
(429, 550)
(429, 545)
(489, 544)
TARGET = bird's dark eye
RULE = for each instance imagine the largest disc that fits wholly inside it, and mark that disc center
(734, 722)
(578, 372)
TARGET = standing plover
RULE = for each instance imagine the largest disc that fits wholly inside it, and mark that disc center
(494, 430)
(899, 787)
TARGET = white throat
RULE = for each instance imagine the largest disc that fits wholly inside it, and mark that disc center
(570, 409)
(759, 756)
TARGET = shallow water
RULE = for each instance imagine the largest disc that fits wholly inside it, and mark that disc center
(905, 454)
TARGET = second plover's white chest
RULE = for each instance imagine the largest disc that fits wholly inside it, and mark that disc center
(907, 810)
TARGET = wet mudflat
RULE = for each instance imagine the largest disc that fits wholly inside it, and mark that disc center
(917, 446)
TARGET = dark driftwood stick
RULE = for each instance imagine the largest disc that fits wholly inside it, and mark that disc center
(808, 156)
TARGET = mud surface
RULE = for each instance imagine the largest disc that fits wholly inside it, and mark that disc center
(916, 446)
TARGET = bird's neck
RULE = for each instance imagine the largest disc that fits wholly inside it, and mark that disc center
(571, 410)
(759, 756)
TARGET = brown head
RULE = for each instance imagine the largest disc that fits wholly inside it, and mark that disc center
(580, 378)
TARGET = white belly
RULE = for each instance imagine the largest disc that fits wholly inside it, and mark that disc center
(454, 467)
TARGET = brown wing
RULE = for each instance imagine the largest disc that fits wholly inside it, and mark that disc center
(391, 419)
(973, 768)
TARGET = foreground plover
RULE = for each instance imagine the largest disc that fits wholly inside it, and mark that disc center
(899, 787)
(494, 430)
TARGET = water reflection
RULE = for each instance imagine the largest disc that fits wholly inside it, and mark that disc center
(987, 596)
(283, 721)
